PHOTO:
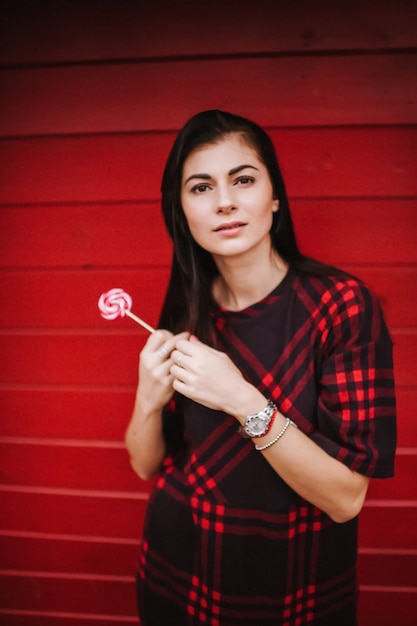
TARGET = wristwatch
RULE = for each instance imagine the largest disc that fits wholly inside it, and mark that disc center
(258, 424)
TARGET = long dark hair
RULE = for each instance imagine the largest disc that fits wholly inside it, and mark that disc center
(188, 299)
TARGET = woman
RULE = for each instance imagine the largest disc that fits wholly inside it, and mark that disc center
(264, 406)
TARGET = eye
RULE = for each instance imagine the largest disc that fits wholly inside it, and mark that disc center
(244, 180)
(200, 188)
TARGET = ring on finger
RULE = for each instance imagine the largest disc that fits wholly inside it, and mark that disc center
(163, 351)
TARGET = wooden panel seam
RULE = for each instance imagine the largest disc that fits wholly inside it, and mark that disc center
(71, 615)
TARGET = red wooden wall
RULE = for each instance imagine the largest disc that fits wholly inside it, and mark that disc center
(92, 94)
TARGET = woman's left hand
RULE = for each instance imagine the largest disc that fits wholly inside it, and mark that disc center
(206, 375)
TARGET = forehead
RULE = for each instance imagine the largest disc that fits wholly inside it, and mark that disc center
(225, 153)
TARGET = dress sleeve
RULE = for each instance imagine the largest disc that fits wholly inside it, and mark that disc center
(356, 404)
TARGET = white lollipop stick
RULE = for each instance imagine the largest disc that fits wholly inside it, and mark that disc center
(139, 321)
(117, 303)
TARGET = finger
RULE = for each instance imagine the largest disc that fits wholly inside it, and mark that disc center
(185, 335)
(179, 385)
(178, 374)
(179, 359)
(157, 338)
(163, 351)
(162, 369)
(190, 348)
(166, 342)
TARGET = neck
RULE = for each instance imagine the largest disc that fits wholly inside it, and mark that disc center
(241, 285)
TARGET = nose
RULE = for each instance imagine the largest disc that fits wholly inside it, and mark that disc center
(225, 201)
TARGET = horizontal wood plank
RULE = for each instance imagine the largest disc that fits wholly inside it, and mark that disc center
(53, 593)
(317, 163)
(118, 236)
(46, 511)
(352, 232)
(135, 29)
(405, 349)
(84, 236)
(49, 618)
(95, 414)
(283, 92)
(387, 606)
(396, 290)
(384, 524)
(63, 299)
(108, 468)
(388, 569)
(73, 360)
(403, 485)
(110, 358)
(74, 467)
(407, 412)
(63, 555)
(102, 414)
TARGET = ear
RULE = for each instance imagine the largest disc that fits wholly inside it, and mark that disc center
(275, 205)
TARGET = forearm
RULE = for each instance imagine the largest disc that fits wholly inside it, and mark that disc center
(312, 473)
(144, 436)
(145, 441)
(305, 467)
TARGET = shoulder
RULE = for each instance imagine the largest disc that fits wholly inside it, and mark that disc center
(339, 291)
(342, 302)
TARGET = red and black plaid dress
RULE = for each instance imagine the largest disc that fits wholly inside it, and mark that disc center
(226, 541)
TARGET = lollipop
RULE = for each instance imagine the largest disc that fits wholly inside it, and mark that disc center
(117, 303)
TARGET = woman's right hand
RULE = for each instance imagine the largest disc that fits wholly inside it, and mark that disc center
(144, 435)
(155, 379)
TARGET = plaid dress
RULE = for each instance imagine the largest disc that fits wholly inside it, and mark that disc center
(226, 541)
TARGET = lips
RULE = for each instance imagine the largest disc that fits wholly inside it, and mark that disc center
(229, 226)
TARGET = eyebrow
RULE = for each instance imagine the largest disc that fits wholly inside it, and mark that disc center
(231, 172)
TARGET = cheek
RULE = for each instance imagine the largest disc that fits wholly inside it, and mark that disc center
(267, 214)
(194, 224)
(187, 213)
(197, 233)
(195, 213)
(189, 218)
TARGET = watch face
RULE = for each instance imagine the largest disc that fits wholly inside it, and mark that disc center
(257, 426)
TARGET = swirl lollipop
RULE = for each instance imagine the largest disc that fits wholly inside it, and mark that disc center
(117, 303)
